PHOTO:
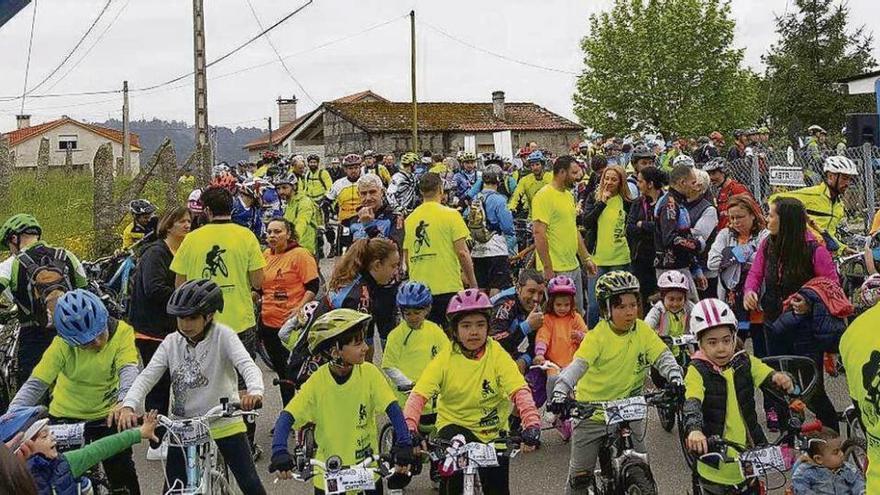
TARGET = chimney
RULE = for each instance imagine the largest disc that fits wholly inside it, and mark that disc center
(286, 110)
(498, 104)
(23, 121)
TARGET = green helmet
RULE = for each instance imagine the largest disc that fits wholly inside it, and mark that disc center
(467, 157)
(333, 324)
(616, 283)
(409, 158)
(17, 224)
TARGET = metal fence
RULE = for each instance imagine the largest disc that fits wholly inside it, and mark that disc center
(859, 200)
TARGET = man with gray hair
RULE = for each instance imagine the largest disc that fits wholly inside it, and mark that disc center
(375, 217)
(677, 248)
(491, 261)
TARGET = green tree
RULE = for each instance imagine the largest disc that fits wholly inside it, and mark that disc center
(664, 65)
(815, 49)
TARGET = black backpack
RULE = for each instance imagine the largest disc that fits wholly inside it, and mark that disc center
(48, 277)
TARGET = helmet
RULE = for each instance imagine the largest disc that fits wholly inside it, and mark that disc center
(369, 154)
(716, 136)
(673, 280)
(409, 158)
(871, 290)
(304, 318)
(490, 158)
(193, 202)
(79, 317)
(616, 283)
(523, 152)
(351, 159)
(334, 161)
(840, 165)
(332, 324)
(561, 285)
(751, 131)
(414, 295)
(642, 151)
(313, 158)
(584, 145)
(467, 157)
(710, 313)
(719, 164)
(467, 301)
(285, 178)
(738, 132)
(763, 130)
(141, 207)
(19, 224)
(536, 156)
(225, 181)
(683, 160)
(813, 129)
(219, 169)
(29, 420)
(195, 297)
(247, 190)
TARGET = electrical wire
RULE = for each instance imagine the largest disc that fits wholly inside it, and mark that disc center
(27, 67)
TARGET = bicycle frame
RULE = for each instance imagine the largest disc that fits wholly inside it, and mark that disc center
(458, 455)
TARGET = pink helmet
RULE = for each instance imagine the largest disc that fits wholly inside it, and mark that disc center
(194, 202)
(871, 290)
(561, 285)
(673, 280)
(467, 301)
(710, 313)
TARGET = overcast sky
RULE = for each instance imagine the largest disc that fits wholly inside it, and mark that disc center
(150, 42)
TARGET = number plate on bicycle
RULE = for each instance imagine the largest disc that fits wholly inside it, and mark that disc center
(686, 339)
(762, 461)
(481, 454)
(349, 479)
(188, 434)
(68, 435)
(631, 409)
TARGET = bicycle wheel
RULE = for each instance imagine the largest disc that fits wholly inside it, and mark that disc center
(386, 439)
(638, 480)
(855, 450)
(667, 418)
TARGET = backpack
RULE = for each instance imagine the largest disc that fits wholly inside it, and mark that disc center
(476, 221)
(47, 278)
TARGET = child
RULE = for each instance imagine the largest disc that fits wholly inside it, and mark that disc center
(60, 474)
(669, 315)
(559, 336)
(720, 389)
(203, 357)
(341, 399)
(823, 470)
(610, 364)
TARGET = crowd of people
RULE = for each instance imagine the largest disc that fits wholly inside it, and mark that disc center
(629, 247)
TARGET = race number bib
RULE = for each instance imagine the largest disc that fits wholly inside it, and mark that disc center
(349, 479)
(68, 435)
(481, 454)
(631, 409)
(188, 434)
(763, 461)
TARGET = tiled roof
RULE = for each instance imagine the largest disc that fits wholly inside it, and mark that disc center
(473, 117)
(363, 95)
(21, 135)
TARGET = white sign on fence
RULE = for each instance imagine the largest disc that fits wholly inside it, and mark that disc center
(787, 176)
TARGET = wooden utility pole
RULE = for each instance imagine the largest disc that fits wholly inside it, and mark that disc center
(415, 105)
(126, 132)
(203, 168)
(271, 146)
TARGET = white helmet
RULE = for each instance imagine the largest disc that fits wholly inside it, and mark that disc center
(710, 313)
(815, 128)
(840, 165)
(673, 280)
(870, 292)
(683, 160)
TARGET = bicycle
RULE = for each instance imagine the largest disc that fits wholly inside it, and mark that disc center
(206, 472)
(458, 454)
(339, 478)
(855, 448)
(686, 345)
(9, 334)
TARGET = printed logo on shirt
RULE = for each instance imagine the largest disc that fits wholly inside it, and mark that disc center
(490, 418)
(362, 414)
(422, 238)
(642, 363)
(871, 383)
(487, 389)
(434, 351)
(214, 263)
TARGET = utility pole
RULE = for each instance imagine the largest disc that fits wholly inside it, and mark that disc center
(126, 132)
(201, 95)
(271, 144)
(415, 105)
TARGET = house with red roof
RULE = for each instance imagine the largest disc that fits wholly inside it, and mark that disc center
(80, 139)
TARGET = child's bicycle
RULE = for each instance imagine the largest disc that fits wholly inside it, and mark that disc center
(339, 478)
(855, 448)
(686, 345)
(458, 454)
(387, 440)
(206, 472)
(72, 436)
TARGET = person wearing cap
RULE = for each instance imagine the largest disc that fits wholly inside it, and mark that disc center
(738, 150)
(529, 185)
(371, 167)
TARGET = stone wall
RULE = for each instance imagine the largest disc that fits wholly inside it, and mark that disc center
(342, 137)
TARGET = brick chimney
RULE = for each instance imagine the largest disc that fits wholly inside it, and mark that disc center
(23, 121)
(286, 110)
(498, 104)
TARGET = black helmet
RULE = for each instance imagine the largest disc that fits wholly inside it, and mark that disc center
(141, 207)
(195, 297)
(490, 158)
(641, 151)
(313, 158)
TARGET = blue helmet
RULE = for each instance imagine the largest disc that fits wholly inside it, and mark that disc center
(24, 419)
(414, 295)
(536, 156)
(80, 317)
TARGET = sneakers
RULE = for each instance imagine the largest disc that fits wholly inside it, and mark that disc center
(256, 452)
(159, 453)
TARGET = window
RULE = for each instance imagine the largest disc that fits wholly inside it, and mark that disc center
(67, 142)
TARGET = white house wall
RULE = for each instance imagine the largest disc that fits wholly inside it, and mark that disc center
(88, 143)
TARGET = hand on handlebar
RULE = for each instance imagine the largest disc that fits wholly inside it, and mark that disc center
(148, 429)
(282, 463)
(696, 442)
(250, 402)
(557, 404)
(531, 438)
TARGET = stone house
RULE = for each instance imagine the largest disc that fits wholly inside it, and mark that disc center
(66, 134)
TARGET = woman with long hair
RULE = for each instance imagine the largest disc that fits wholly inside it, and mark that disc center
(640, 225)
(604, 220)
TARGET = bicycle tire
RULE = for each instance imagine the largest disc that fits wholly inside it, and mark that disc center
(855, 450)
(667, 418)
(637, 480)
(386, 439)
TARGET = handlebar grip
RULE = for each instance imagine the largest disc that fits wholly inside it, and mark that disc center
(815, 425)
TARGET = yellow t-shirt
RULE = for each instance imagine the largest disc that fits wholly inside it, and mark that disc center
(557, 211)
(616, 364)
(875, 223)
(410, 351)
(344, 415)
(429, 234)
(225, 253)
(860, 352)
(473, 393)
(86, 382)
(611, 246)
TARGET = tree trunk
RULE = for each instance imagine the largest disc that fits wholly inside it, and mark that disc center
(103, 208)
(168, 175)
(5, 172)
(43, 161)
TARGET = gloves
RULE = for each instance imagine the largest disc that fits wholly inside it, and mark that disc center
(281, 461)
(402, 455)
(416, 438)
(531, 436)
(557, 403)
(677, 386)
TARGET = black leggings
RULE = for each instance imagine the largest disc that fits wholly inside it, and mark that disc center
(495, 481)
(237, 455)
(279, 355)
(119, 468)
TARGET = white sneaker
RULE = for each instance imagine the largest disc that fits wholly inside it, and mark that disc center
(157, 454)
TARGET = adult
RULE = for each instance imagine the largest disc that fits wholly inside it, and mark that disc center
(389, 163)
(642, 157)
(604, 220)
(403, 194)
(143, 223)
(507, 181)
(517, 316)
(21, 235)
(491, 261)
(527, 186)
(787, 259)
(335, 169)
(372, 167)
(299, 210)
(344, 194)
(640, 225)
(465, 178)
(290, 280)
(14, 475)
(725, 187)
(317, 182)
(435, 248)
(676, 247)
(817, 143)
(738, 150)
(558, 241)
(375, 217)
(151, 287)
(246, 210)
(704, 223)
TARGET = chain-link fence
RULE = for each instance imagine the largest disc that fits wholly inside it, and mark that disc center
(766, 172)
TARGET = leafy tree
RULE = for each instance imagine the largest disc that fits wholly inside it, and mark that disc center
(815, 49)
(665, 65)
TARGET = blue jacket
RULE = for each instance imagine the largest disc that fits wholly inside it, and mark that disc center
(464, 182)
(815, 332)
(498, 216)
(812, 479)
(52, 476)
(249, 218)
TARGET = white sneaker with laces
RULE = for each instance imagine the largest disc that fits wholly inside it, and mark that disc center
(158, 454)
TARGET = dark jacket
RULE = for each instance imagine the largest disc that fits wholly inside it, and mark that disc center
(52, 476)
(152, 285)
(675, 245)
(508, 323)
(641, 239)
(593, 209)
(364, 294)
(820, 329)
(386, 223)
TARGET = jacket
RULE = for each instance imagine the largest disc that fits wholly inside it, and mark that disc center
(821, 328)
(385, 223)
(641, 239)
(733, 261)
(675, 245)
(250, 218)
(305, 216)
(364, 294)
(317, 183)
(526, 188)
(658, 318)
(152, 286)
(704, 226)
(730, 188)
(825, 212)
(464, 182)
(593, 209)
(508, 324)
(812, 479)
(403, 194)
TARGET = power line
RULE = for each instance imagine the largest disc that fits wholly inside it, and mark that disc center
(27, 67)
(494, 54)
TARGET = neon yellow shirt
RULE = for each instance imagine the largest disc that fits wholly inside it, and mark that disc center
(223, 252)
(473, 393)
(556, 210)
(527, 186)
(860, 352)
(611, 246)
(86, 382)
(410, 351)
(344, 415)
(430, 232)
(305, 216)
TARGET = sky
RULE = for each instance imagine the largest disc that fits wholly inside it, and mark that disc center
(465, 50)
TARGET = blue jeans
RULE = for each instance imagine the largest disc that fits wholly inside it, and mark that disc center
(593, 306)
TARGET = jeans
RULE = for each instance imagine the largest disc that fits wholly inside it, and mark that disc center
(578, 277)
(236, 453)
(593, 306)
(119, 468)
(495, 480)
(279, 355)
(158, 397)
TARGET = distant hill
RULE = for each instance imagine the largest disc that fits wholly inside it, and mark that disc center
(153, 132)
